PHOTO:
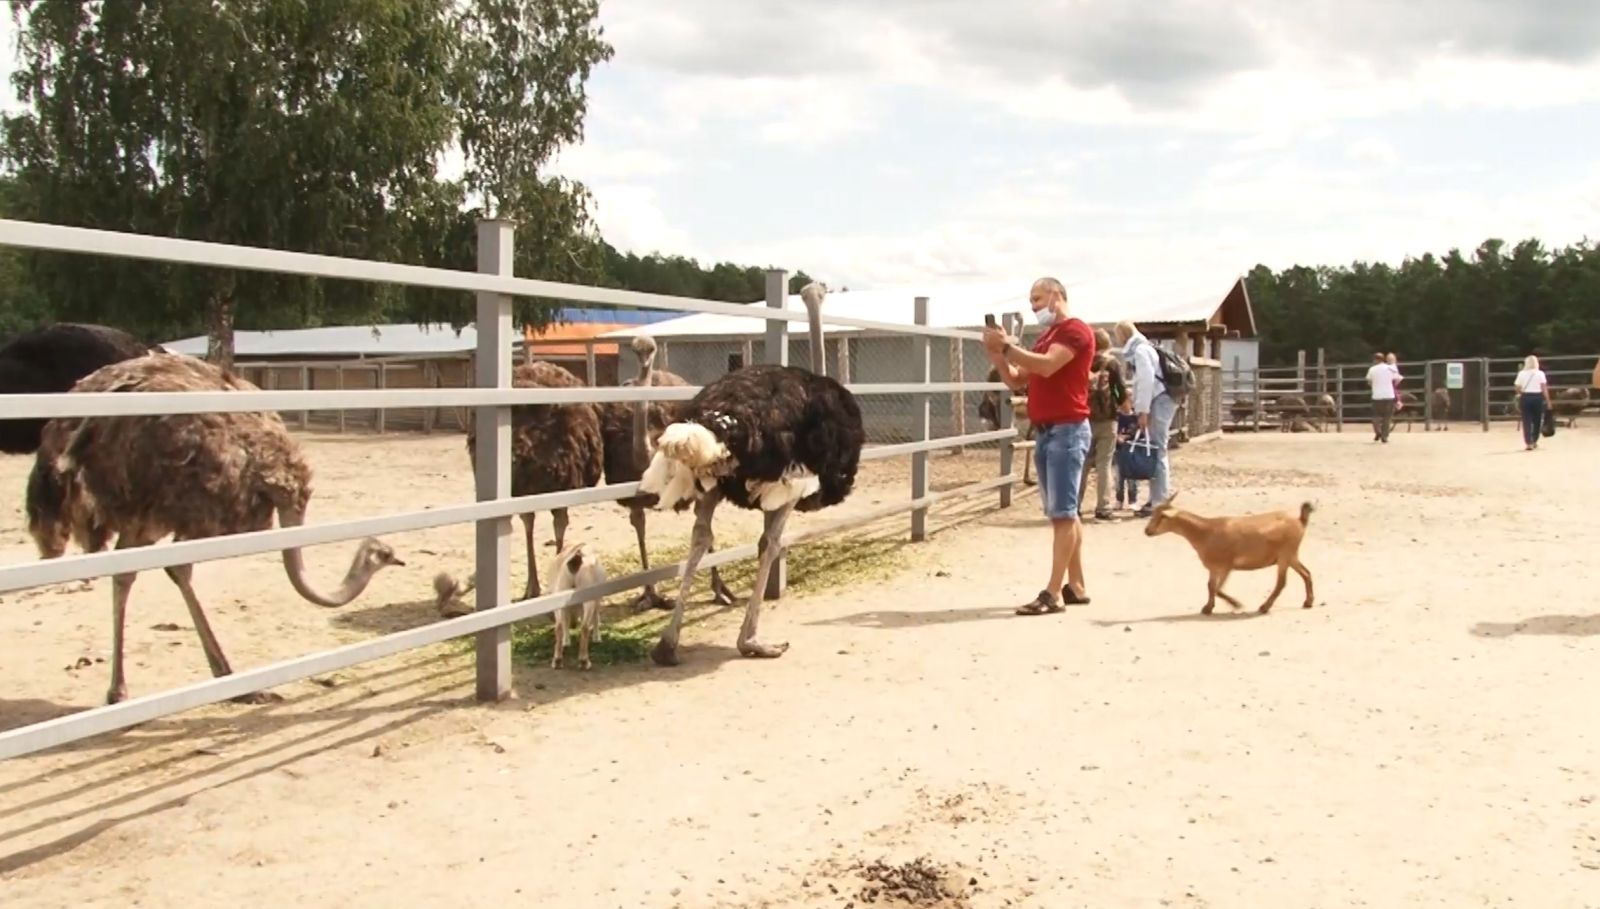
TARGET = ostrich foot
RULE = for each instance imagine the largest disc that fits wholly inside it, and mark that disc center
(650, 598)
(665, 653)
(258, 697)
(116, 694)
(764, 651)
(720, 594)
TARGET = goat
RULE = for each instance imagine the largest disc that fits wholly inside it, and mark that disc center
(1241, 543)
(572, 571)
(1441, 408)
(1569, 403)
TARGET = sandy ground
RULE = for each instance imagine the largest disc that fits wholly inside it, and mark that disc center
(1423, 737)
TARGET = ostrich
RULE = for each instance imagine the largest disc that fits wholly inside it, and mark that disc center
(48, 360)
(777, 438)
(630, 431)
(554, 447)
(188, 475)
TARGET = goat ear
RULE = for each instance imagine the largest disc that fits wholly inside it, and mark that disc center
(1172, 497)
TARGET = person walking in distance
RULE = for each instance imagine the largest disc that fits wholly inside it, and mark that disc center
(1533, 399)
(1055, 376)
(1384, 381)
(1152, 407)
(1107, 391)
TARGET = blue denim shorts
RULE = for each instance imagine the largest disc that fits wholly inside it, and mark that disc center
(1059, 453)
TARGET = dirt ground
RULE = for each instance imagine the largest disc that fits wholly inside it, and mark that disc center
(1423, 737)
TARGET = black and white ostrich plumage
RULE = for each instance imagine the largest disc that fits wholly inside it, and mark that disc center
(768, 437)
(51, 359)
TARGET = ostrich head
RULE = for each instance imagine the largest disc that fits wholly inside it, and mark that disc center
(811, 295)
(644, 347)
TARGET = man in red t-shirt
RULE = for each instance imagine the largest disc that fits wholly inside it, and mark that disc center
(1055, 375)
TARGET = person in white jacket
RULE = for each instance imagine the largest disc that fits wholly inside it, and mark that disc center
(1153, 407)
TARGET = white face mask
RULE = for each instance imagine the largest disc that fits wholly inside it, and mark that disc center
(1046, 316)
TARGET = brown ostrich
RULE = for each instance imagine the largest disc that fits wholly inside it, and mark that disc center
(141, 478)
(630, 435)
(554, 447)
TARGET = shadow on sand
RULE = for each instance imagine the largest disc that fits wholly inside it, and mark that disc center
(1578, 626)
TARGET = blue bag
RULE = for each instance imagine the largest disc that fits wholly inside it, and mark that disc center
(1136, 458)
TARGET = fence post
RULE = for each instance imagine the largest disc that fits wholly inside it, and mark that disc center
(1483, 373)
(922, 368)
(492, 467)
(1427, 396)
(1255, 396)
(1338, 396)
(777, 352)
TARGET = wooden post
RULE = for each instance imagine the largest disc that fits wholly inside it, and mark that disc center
(1255, 393)
(1338, 396)
(305, 385)
(1300, 372)
(844, 360)
(777, 351)
(921, 406)
(383, 382)
(588, 363)
(430, 379)
(338, 381)
(492, 461)
(1322, 371)
(747, 355)
(958, 399)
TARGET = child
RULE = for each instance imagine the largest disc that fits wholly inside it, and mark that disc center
(1127, 425)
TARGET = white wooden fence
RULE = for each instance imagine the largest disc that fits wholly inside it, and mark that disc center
(492, 400)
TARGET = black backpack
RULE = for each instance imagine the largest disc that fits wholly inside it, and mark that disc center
(1176, 374)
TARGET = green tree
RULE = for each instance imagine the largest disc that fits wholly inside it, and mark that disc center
(307, 126)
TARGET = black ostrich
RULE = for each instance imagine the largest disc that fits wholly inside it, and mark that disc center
(629, 432)
(50, 360)
(777, 438)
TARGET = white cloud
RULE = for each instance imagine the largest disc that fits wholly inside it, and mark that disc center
(1373, 150)
(631, 219)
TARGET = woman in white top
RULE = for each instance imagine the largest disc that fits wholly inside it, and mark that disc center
(1533, 399)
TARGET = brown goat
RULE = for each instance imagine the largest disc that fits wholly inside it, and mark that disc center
(1240, 543)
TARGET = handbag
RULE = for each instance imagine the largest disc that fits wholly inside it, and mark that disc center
(1136, 458)
(1549, 428)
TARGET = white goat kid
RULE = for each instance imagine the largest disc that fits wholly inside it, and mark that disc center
(571, 569)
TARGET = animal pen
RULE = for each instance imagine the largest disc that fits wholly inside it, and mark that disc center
(1437, 394)
(496, 610)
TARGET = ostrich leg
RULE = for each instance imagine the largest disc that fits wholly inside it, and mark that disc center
(648, 598)
(182, 575)
(772, 547)
(532, 590)
(121, 587)
(560, 517)
(665, 653)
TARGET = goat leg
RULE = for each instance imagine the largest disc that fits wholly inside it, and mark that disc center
(1305, 575)
(1283, 574)
(1222, 578)
(558, 638)
(586, 629)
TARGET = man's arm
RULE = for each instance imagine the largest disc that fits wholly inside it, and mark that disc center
(1144, 378)
(1045, 364)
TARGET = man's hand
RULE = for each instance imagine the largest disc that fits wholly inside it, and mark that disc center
(994, 341)
(1144, 421)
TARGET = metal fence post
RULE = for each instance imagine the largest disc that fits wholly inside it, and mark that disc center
(1338, 396)
(922, 367)
(1483, 373)
(1427, 396)
(777, 352)
(493, 460)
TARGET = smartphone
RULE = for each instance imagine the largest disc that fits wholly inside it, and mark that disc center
(988, 319)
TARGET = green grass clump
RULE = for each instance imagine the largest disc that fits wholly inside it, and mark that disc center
(627, 637)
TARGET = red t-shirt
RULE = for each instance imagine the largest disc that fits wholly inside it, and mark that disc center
(1064, 396)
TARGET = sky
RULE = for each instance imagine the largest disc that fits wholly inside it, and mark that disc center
(899, 142)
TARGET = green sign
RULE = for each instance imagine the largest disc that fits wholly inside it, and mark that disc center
(1454, 375)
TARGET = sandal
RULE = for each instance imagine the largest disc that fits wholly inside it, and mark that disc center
(1040, 605)
(1073, 599)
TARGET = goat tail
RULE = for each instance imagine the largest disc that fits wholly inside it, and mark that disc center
(1305, 513)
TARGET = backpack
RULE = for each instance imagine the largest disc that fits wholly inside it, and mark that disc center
(1176, 376)
(1106, 390)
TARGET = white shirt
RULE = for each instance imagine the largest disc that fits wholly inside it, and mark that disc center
(1531, 381)
(1382, 377)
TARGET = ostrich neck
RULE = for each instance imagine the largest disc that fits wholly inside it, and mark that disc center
(641, 417)
(818, 365)
(355, 580)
